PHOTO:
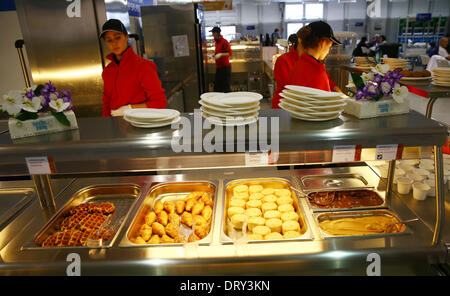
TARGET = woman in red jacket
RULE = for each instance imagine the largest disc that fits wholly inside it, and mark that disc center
(309, 71)
(130, 81)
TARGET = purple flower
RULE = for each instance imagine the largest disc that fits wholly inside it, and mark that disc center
(29, 94)
(360, 95)
(45, 100)
(48, 88)
(371, 90)
(377, 79)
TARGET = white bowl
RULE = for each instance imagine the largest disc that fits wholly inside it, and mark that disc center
(404, 185)
(431, 183)
(420, 190)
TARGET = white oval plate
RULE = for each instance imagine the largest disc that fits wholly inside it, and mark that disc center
(229, 109)
(228, 117)
(148, 115)
(304, 89)
(415, 78)
(240, 98)
(245, 121)
(227, 113)
(211, 94)
(312, 112)
(153, 125)
(440, 84)
(313, 107)
(314, 101)
(308, 116)
(236, 103)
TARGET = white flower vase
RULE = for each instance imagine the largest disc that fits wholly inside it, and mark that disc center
(370, 109)
(45, 124)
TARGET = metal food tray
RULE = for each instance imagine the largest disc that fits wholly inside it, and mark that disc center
(122, 196)
(12, 200)
(172, 191)
(340, 182)
(276, 183)
(318, 217)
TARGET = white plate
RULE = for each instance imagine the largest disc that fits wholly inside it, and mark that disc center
(231, 123)
(415, 78)
(313, 107)
(311, 100)
(149, 115)
(310, 111)
(440, 84)
(229, 109)
(445, 70)
(153, 125)
(247, 102)
(304, 90)
(308, 118)
(210, 95)
(439, 80)
(224, 115)
(237, 99)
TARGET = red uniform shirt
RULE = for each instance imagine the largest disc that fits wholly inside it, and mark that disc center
(283, 65)
(133, 81)
(222, 46)
(310, 73)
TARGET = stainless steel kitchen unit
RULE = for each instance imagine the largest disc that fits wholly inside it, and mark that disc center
(102, 146)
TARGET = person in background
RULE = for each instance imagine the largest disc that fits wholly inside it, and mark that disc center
(316, 40)
(443, 43)
(267, 41)
(130, 81)
(275, 36)
(222, 55)
(361, 49)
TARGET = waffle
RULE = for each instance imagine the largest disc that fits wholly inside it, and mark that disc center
(92, 222)
(91, 207)
(73, 221)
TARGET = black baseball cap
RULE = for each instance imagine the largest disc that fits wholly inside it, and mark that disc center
(113, 25)
(322, 29)
(216, 29)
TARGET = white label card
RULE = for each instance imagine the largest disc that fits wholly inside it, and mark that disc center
(256, 158)
(386, 152)
(38, 165)
(344, 153)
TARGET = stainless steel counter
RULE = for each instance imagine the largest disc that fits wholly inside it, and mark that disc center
(112, 144)
(405, 254)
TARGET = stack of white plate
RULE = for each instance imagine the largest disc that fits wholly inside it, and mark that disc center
(396, 63)
(441, 76)
(364, 63)
(312, 104)
(150, 118)
(230, 109)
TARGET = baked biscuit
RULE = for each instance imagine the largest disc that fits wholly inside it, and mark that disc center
(187, 219)
(240, 188)
(198, 207)
(241, 195)
(158, 229)
(237, 202)
(207, 213)
(272, 215)
(293, 216)
(145, 232)
(237, 221)
(255, 188)
(256, 195)
(269, 198)
(179, 206)
(139, 240)
(283, 192)
(172, 230)
(207, 199)
(199, 220)
(291, 234)
(273, 236)
(163, 218)
(267, 191)
(286, 208)
(253, 212)
(190, 204)
(290, 226)
(169, 206)
(253, 237)
(254, 203)
(235, 210)
(165, 239)
(255, 221)
(268, 206)
(274, 224)
(154, 240)
(262, 230)
(174, 218)
(284, 200)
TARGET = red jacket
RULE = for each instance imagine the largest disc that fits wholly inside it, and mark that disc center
(222, 46)
(133, 81)
(283, 65)
(310, 73)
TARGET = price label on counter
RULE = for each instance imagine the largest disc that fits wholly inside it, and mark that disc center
(41, 165)
(388, 152)
(256, 158)
(346, 153)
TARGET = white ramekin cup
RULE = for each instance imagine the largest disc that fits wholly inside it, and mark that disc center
(420, 190)
(404, 185)
(431, 183)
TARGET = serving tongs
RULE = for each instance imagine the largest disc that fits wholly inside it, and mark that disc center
(385, 228)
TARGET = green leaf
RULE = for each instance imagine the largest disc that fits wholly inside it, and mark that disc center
(357, 80)
(38, 89)
(25, 115)
(379, 96)
(61, 117)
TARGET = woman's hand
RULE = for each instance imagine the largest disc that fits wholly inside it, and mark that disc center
(119, 112)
